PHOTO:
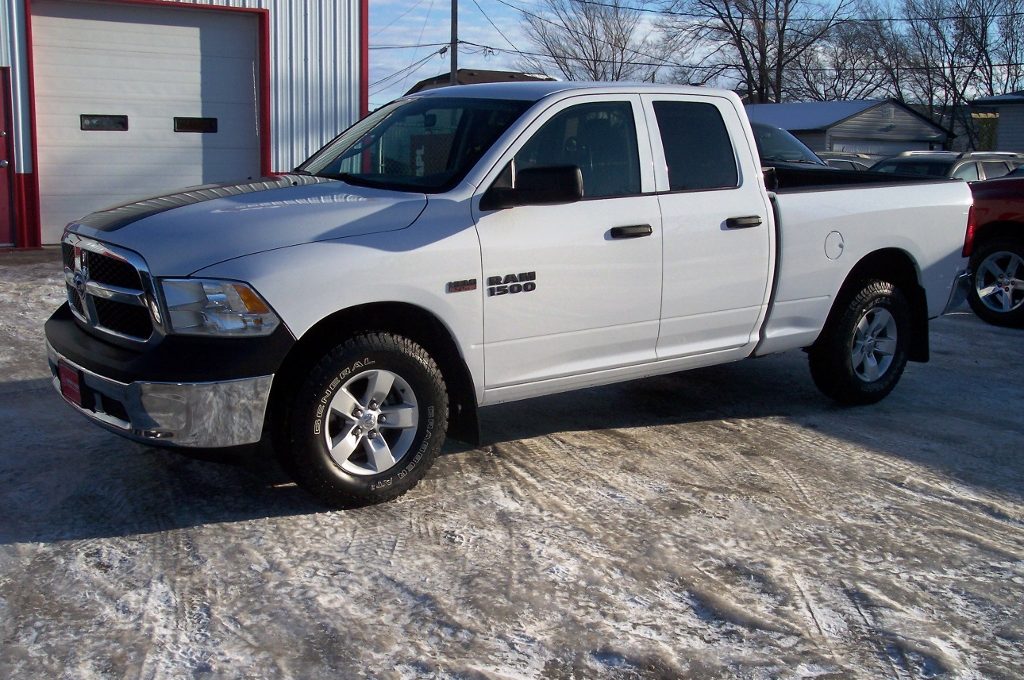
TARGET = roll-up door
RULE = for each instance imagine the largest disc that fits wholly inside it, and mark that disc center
(136, 100)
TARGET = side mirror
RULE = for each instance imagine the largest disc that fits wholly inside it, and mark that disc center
(537, 186)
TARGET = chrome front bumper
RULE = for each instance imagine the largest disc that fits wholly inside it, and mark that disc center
(201, 415)
(961, 286)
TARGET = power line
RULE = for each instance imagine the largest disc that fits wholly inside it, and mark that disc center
(866, 69)
(406, 47)
(411, 67)
(396, 19)
(562, 27)
(496, 27)
(698, 15)
(430, 8)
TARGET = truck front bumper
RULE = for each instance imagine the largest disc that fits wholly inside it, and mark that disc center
(197, 414)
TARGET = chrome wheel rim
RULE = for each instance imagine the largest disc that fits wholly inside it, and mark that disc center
(874, 344)
(372, 423)
(999, 281)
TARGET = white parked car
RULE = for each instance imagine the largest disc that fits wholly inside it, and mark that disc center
(473, 245)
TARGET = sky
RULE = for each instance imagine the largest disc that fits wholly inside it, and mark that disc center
(417, 22)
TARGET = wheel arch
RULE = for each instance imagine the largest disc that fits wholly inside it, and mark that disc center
(998, 229)
(400, 318)
(899, 268)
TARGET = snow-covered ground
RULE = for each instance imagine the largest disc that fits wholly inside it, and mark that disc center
(728, 522)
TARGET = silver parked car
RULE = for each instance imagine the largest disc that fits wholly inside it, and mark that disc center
(971, 166)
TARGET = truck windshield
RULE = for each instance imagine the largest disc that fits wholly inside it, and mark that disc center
(775, 144)
(425, 144)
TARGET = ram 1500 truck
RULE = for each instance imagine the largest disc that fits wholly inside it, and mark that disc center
(473, 245)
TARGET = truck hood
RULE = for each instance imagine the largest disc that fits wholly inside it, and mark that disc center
(181, 233)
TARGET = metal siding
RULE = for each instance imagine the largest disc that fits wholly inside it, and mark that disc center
(15, 55)
(5, 33)
(1011, 128)
(815, 141)
(887, 122)
(314, 80)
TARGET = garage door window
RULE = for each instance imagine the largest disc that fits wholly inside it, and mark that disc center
(94, 122)
(195, 124)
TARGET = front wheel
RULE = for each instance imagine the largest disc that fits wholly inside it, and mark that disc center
(997, 295)
(367, 422)
(862, 350)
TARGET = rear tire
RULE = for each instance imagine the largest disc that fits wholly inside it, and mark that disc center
(367, 422)
(862, 351)
(997, 295)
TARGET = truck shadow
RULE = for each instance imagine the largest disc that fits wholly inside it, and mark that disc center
(64, 479)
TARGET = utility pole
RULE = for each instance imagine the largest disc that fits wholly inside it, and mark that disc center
(453, 77)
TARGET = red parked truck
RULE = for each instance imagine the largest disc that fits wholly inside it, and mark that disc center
(995, 244)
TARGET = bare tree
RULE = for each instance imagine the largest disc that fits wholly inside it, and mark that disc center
(841, 67)
(755, 42)
(599, 41)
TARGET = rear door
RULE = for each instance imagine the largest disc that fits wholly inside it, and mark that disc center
(716, 221)
(566, 292)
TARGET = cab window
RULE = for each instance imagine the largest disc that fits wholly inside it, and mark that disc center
(698, 150)
(599, 138)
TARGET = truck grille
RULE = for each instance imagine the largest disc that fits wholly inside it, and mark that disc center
(108, 289)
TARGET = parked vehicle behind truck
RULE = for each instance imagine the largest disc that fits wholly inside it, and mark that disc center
(995, 245)
(474, 245)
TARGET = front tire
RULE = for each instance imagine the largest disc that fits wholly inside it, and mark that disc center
(862, 351)
(997, 295)
(367, 422)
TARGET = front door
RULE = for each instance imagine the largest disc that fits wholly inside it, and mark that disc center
(567, 291)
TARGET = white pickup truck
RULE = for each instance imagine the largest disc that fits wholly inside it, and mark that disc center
(475, 245)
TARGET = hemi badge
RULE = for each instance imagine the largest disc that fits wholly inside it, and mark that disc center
(461, 286)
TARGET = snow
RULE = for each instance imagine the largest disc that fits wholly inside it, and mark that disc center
(727, 522)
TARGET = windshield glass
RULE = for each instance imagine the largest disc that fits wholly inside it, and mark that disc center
(775, 144)
(426, 144)
(921, 168)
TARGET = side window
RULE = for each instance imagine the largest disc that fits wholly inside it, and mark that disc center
(995, 169)
(698, 150)
(600, 138)
(968, 172)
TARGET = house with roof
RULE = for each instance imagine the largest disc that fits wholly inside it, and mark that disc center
(880, 127)
(1010, 128)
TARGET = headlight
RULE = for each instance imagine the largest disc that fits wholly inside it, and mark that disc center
(212, 307)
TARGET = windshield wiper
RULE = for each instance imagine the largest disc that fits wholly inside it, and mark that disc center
(352, 179)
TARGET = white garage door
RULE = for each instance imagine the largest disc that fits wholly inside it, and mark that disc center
(113, 82)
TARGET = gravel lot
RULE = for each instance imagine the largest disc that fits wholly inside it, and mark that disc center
(727, 522)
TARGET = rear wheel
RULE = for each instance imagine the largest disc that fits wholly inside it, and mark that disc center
(367, 422)
(997, 295)
(862, 351)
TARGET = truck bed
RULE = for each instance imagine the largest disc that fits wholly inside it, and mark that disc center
(827, 221)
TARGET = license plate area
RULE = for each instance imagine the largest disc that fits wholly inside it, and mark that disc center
(70, 383)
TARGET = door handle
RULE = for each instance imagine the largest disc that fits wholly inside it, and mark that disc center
(632, 231)
(743, 222)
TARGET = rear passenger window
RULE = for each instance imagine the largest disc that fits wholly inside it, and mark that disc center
(599, 138)
(995, 169)
(698, 150)
(967, 172)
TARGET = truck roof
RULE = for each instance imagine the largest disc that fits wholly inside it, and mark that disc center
(534, 91)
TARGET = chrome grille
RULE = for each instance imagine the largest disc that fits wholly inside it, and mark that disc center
(109, 289)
